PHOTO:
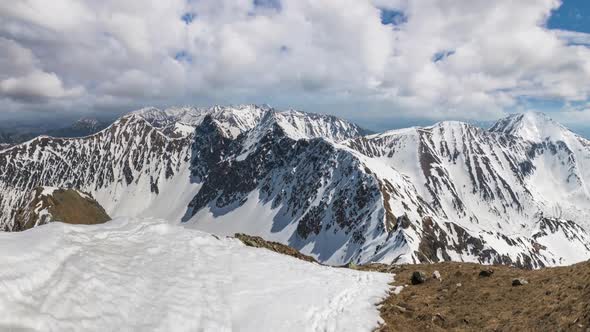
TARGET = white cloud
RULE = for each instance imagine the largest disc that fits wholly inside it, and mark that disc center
(22, 80)
(36, 85)
(573, 37)
(59, 15)
(14, 58)
(492, 54)
(499, 51)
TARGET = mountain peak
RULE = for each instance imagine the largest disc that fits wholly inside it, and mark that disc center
(236, 119)
(444, 192)
(155, 116)
(532, 126)
(452, 125)
(86, 123)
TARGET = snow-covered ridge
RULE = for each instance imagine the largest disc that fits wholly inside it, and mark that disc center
(496, 184)
(532, 126)
(235, 120)
(561, 161)
(309, 125)
(450, 191)
(130, 158)
(150, 275)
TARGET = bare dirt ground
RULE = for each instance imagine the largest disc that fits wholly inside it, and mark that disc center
(555, 299)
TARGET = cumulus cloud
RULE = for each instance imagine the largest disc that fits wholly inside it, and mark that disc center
(471, 60)
(22, 80)
(36, 85)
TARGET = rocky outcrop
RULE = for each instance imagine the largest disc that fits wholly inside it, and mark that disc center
(48, 204)
(258, 242)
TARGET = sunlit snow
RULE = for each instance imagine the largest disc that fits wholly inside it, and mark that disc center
(132, 274)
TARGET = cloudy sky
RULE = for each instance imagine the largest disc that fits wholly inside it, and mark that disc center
(383, 63)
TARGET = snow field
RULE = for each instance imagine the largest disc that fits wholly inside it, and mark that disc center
(149, 275)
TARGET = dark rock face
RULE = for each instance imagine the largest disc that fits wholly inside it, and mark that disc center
(320, 188)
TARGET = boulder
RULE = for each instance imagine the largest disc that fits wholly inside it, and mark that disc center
(486, 273)
(418, 277)
(519, 282)
(436, 275)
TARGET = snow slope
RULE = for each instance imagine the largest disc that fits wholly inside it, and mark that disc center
(500, 186)
(561, 162)
(132, 274)
(516, 194)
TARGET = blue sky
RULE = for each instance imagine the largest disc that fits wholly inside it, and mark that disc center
(572, 15)
(382, 63)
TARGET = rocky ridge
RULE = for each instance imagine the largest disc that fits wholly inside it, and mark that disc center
(446, 192)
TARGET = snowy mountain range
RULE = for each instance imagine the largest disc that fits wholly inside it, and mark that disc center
(514, 194)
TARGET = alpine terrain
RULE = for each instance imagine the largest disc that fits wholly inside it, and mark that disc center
(149, 275)
(516, 194)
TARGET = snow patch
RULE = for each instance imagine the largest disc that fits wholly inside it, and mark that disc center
(48, 191)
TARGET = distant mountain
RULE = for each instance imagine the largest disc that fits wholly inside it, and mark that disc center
(9, 138)
(5, 140)
(560, 161)
(515, 194)
(502, 187)
(80, 128)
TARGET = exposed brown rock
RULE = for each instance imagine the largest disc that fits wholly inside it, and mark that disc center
(258, 242)
(64, 205)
